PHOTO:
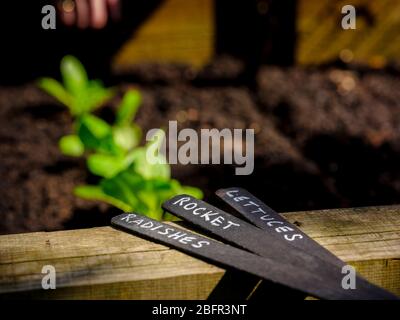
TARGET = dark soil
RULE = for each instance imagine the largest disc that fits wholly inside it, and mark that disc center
(324, 138)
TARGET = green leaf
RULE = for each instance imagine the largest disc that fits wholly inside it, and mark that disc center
(74, 75)
(71, 145)
(97, 126)
(56, 90)
(105, 165)
(133, 180)
(108, 145)
(92, 130)
(127, 137)
(151, 201)
(121, 190)
(89, 192)
(150, 162)
(142, 166)
(128, 107)
(95, 95)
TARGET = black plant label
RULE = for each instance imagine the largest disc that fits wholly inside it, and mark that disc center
(238, 232)
(227, 256)
(262, 216)
(311, 271)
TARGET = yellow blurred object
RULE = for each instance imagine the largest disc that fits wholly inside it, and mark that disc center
(346, 55)
(377, 62)
(322, 39)
(179, 31)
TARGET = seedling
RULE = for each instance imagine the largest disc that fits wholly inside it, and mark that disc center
(128, 180)
(133, 184)
(77, 92)
(93, 134)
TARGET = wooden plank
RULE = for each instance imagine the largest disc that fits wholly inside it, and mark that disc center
(367, 238)
(103, 263)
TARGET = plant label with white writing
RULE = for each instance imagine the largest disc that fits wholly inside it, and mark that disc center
(262, 216)
(240, 233)
(231, 257)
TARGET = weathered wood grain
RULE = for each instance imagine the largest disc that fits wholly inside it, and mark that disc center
(103, 263)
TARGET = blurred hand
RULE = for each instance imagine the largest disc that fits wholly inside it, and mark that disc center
(89, 13)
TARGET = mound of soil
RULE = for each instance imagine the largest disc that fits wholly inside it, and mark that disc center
(346, 122)
(324, 138)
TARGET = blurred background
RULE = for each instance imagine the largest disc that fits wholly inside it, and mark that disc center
(324, 102)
